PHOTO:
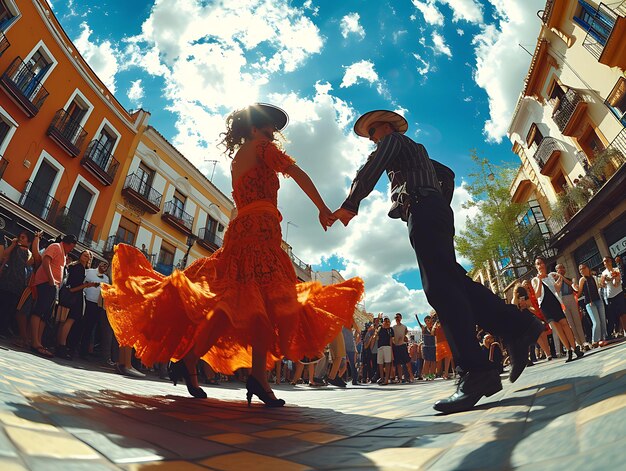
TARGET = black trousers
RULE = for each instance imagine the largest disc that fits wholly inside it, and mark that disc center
(460, 302)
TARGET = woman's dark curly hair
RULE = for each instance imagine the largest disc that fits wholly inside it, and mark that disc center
(239, 126)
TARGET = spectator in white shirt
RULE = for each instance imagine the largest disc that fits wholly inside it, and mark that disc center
(611, 280)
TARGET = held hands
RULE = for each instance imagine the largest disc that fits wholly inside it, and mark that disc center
(343, 215)
(328, 218)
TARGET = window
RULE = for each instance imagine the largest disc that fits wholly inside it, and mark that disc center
(179, 204)
(616, 100)
(534, 137)
(102, 151)
(8, 14)
(165, 262)
(211, 225)
(556, 92)
(145, 175)
(4, 131)
(38, 199)
(594, 21)
(590, 143)
(126, 232)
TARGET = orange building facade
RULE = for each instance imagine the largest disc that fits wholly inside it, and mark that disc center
(64, 138)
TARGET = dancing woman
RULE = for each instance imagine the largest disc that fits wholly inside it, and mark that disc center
(242, 307)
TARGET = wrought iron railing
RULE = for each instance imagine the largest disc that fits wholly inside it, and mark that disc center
(565, 109)
(70, 222)
(600, 30)
(139, 186)
(4, 163)
(604, 166)
(37, 201)
(170, 208)
(25, 82)
(4, 43)
(66, 127)
(113, 240)
(546, 148)
(100, 156)
(210, 237)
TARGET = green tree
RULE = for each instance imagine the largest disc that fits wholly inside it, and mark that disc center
(495, 233)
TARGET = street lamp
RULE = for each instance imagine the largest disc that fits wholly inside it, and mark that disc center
(191, 239)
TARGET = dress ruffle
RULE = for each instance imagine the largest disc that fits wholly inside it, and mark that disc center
(163, 317)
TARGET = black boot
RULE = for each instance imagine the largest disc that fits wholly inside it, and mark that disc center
(579, 353)
(569, 356)
(518, 348)
(471, 387)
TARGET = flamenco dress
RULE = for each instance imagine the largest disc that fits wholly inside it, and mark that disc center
(245, 292)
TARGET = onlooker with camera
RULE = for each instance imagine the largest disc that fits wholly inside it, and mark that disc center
(72, 301)
(611, 279)
(48, 279)
(95, 313)
(384, 338)
(14, 264)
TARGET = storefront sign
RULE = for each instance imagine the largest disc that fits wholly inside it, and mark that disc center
(618, 247)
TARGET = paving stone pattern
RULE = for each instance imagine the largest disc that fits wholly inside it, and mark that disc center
(72, 416)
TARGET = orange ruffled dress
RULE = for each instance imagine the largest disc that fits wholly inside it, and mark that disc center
(248, 288)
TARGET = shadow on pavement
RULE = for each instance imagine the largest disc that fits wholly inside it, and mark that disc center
(129, 428)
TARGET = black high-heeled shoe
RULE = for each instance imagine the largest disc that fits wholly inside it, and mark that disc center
(253, 387)
(178, 371)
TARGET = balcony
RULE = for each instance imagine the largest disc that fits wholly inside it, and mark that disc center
(22, 85)
(141, 194)
(70, 222)
(177, 218)
(4, 43)
(67, 132)
(547, 154)
(4, 163)
(568, 111)
(100, 162)
(209, 240)
(596, 193)
(605, 36)
(37, 201)
(112, 241)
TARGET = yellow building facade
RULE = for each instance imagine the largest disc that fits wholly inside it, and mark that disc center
(166, 207)
(569, 131)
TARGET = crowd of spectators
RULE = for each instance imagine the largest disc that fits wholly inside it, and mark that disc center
(52, 306)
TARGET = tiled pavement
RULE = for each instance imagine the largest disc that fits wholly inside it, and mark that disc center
(61, 415)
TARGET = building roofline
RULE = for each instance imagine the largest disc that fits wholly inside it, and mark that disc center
(80, 64)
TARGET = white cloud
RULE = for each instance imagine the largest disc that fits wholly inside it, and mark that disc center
(359, 70)
(500, 64)
(350, 25)
(429, 11)
(439, 44)
(215, 57)
(460, 32)
(423, 66)
(135, 92)
(466, 10)
(102, 58)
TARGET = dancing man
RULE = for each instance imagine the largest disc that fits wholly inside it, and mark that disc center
(421, 194)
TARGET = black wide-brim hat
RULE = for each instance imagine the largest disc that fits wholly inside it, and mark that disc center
(263, 112)
(364, 123)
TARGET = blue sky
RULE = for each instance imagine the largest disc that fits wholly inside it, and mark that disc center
(453, 68)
